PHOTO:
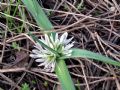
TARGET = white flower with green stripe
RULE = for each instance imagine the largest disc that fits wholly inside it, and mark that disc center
(47, 58)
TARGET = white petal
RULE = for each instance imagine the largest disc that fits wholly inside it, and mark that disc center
(47, 69)
(38, 46)
(33, 55)
(56, 39)
(63, 37)
(42, 64)
(45, 51)
(47, 64)
(47, 39)
(51, 45)
(68, 41)
(51, 39)
(35, 51)
(53, 67)
(39, 60)
(67, 51)
(50, 67)
(68, 54)
(37, 56)
(42, 40)
(70, 51)
(56, 36)
(68, 46)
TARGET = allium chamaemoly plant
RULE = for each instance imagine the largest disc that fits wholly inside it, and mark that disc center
(51, 50)
(47, 58)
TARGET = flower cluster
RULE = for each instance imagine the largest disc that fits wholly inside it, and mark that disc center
(47, 58)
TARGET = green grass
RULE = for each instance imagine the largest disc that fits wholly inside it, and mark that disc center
(13, 11)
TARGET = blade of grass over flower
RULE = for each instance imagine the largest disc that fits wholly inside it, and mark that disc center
(41, 43)
(38, 14)
(88, 54)
(36, 10)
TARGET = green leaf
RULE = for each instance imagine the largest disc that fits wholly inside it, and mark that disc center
(45, 83)
(40, 17)
(25, 86)
(64, 76)
(38, 14)
(16, 46)
(88, 54)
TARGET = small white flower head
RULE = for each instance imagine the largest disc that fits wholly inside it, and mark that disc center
(47, 58)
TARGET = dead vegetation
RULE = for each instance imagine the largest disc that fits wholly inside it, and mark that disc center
(95, 26)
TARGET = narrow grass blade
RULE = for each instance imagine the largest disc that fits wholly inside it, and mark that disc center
(88, 54)
(64, 76)
(38, 14)
(40, 17)
(41, 43)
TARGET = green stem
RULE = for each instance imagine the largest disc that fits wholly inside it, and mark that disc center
(64, 76)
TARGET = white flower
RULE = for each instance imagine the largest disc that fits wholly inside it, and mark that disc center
(47, 58)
